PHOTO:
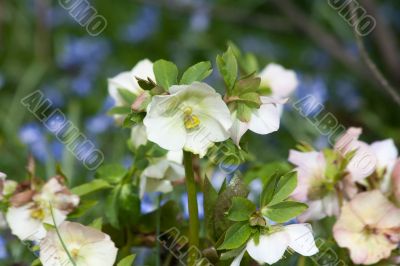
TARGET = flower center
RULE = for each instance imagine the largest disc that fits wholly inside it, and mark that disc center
(190, 120)
(74, 253)
(38, 214)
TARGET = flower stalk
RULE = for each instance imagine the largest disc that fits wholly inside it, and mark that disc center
(192, 203)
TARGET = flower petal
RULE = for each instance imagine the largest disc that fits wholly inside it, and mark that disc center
(238, 259)
(265, 120)
(270, 248)
(301, 239)
(281, 81)
(237, 130)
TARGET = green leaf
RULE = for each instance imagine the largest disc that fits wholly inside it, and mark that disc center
(236, 236)
(119, 110)
(127, 261)
(166, 73)
(251, 99)
(133, 118)
(83, 208)
(285, 187)
(247, 84)
(269, 189)
(197, 72)
(231, 253)
(284, 211)
(249, 63)
(87, 188)
(241, 209)
(129, 204)
(111, 207)
(36, 262)
(243, 112)
(128, 96)
(48, 227)
(227, 66)
(112, 173)
(97, 223)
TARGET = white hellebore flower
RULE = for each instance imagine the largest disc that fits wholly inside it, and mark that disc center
(271, 248)
(192, 118)
(87, 247)
(7, 187)
(266, 119)
(127, 80)
(27, 221)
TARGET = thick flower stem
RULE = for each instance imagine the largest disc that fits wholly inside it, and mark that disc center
(193, 209)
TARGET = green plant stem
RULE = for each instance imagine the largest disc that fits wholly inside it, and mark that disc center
(60, 238)
(192, 203)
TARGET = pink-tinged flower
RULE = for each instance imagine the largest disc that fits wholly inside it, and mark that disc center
(86, 245)
(311, 185)
(363, 162)
(369, 226)
(271, 247)
(27, 215)
(396, 181)
(386, 155)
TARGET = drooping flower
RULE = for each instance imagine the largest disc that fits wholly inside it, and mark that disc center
(193, 117)
(271, 247)
(279, 83)
(160, 174)
(30, 209)
(86, 245)
(363, 162)
(127, 80)
(369, 226)
(7, 187)
(313, 187)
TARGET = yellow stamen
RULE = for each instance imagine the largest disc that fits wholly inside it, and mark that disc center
(74, 252)
(190, 120)
(38, 214)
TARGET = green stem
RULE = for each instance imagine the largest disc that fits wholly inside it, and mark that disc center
(192, 203)
(59, 236)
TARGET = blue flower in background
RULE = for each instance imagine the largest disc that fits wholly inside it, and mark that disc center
(200, 19)
(3, 249)
(54, 95)
(99, 123)
(256, 187)
(57, 149)
(144, 25)
(33, 136)
(315, 87)
(82, 85)
(200, 205)
(349, 97)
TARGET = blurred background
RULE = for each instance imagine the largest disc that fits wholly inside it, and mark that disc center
(43, 47)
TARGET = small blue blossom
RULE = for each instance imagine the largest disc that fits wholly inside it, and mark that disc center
(32, 135)
(143, 27)
(99, 123)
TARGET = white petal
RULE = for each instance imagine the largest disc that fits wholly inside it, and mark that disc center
(314, 212)
(165, 129)
(265, 119)
(237, 130)
(198, 142)
(143, 69)
(363, 162)
(281, 81)
(138, 135)
(385, 151)
(156, 170)
(270, 248)
(175, 156)
(301, 239)
(23, 225)
(238, 259)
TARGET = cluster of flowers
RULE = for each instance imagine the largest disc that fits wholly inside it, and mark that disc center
(359, 183)
(36, 212)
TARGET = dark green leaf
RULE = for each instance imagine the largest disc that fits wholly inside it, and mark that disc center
(269, 189)
(197, 72)
(236, 236)
(166, 73)
(111, 207)
(148, 84)
(284, 211)
(241, 209)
